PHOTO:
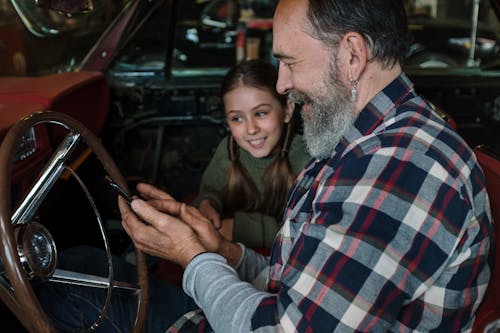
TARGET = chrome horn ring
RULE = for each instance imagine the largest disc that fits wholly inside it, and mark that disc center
(37, 250)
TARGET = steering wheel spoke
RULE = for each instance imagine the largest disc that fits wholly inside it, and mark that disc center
(49, 175)
(89, 280)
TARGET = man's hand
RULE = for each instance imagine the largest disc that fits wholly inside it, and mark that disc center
(151, 192)
(202, 226)
(227, 228)
(176, 232)
(165, 235)
(210, 213)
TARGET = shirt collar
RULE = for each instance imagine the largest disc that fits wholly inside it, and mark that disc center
(372, 116)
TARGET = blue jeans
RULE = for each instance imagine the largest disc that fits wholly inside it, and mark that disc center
(75, 308)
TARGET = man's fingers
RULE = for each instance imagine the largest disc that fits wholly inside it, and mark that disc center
(124, 207)
(171, 207)
(146, 212)
(191, 215)
(131, 223)
(217, 222)
(204, 229)
(149, 191)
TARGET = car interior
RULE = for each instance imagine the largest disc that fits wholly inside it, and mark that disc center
(129, 89)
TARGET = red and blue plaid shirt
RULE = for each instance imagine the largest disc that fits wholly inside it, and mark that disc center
(391, 233)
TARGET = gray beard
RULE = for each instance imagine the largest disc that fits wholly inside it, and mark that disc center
(328, 121)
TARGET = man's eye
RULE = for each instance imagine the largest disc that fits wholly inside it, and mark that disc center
(288, 65)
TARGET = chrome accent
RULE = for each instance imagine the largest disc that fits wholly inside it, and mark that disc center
(37, 250)
(44, 183)
(89, 280)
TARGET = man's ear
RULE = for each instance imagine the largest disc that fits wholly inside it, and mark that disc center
(289, 109)
(355, 54)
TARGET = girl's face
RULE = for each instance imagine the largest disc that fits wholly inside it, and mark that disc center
(256, 119)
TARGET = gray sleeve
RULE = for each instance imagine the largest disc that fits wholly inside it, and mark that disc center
(228, 302)
(251, 264)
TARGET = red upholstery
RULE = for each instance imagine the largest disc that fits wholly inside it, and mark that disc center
(82, 95)
(490, 308)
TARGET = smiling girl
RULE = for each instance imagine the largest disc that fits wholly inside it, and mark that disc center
(244, 188)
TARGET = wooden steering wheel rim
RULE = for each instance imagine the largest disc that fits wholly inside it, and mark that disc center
(20, 298)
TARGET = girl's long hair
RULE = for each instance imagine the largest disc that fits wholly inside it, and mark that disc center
(240, 193)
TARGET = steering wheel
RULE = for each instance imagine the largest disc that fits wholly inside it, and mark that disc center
(28, 250)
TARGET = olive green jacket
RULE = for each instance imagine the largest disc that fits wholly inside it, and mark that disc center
(253, 229)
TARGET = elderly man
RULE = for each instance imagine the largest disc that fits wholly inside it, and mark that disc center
(386, 229)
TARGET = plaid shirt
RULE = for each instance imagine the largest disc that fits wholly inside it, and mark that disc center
(391, 233)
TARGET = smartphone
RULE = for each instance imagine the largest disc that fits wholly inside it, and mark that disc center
(124, 194)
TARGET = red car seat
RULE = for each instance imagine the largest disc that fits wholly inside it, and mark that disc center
(490, 308)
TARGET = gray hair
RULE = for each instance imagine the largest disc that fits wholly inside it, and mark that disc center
(382, 23)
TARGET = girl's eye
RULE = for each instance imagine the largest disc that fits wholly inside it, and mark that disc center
(260, 114)
(235, 119)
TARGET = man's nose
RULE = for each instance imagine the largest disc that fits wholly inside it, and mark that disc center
(284, 83)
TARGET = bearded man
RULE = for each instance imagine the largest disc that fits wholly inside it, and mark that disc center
(385, 230)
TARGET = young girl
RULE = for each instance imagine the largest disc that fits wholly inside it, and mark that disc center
(244, 187)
